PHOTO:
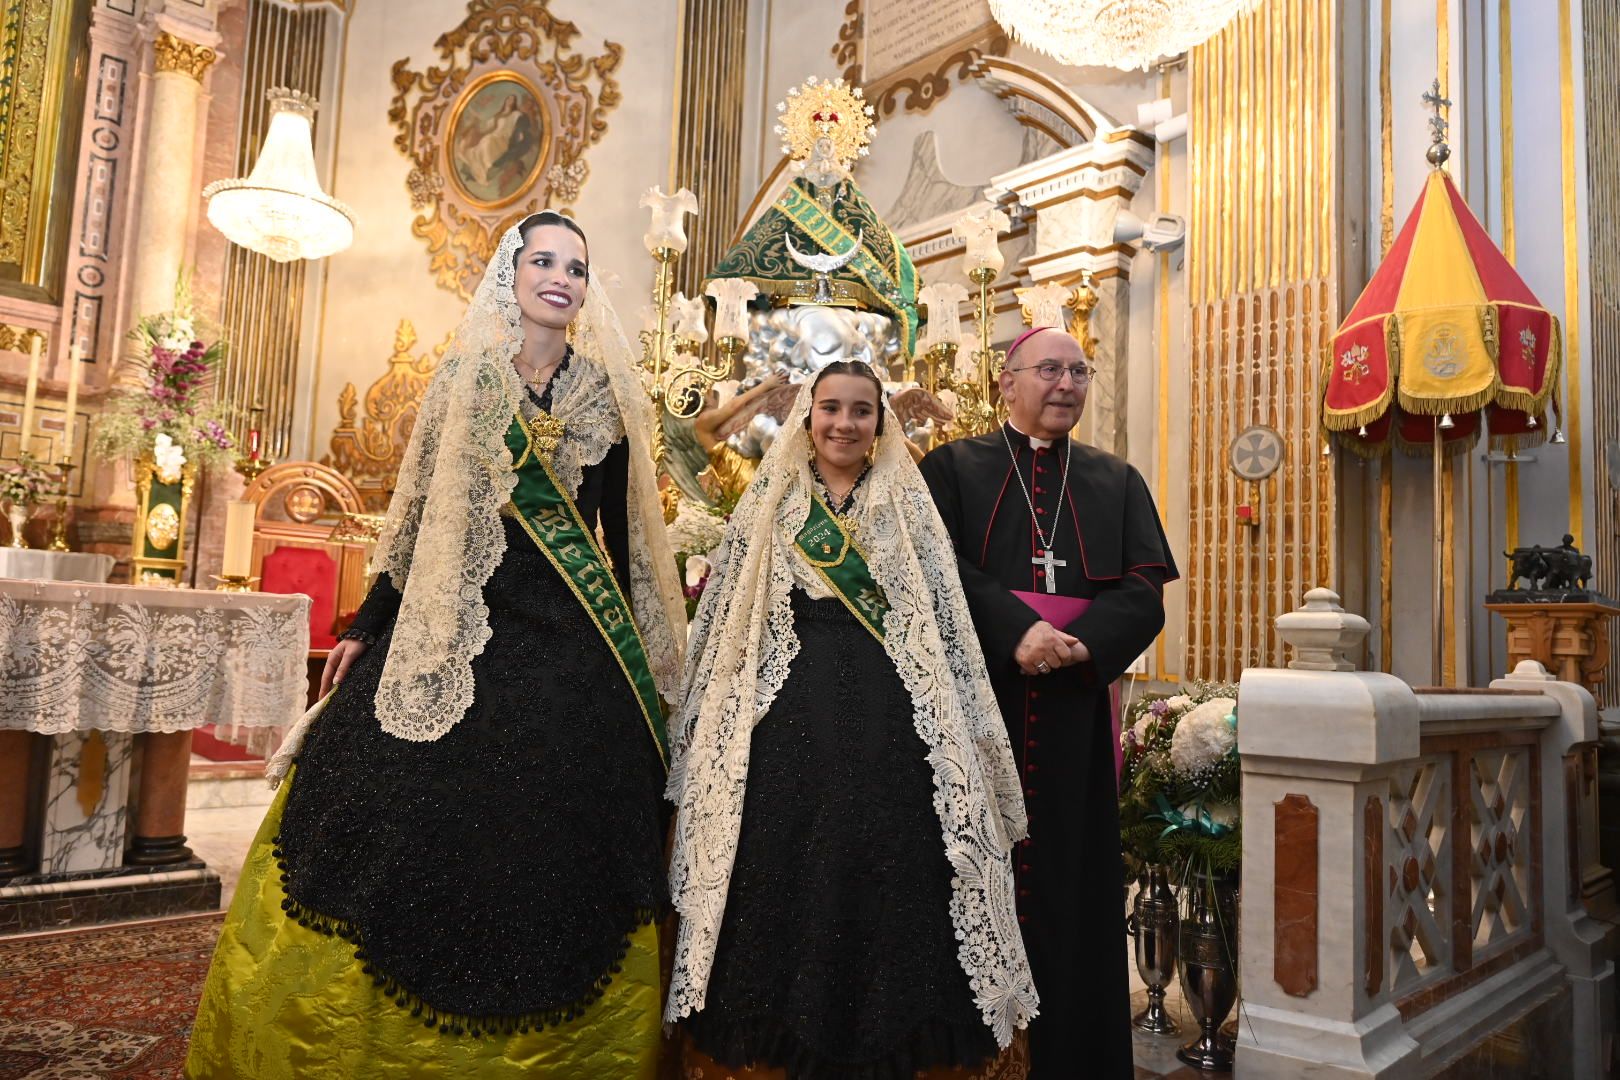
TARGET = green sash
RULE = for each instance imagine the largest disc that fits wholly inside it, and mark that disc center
(828, 547)
(553, 522)
(897, 287)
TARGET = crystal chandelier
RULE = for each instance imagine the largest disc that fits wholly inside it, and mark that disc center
(1115, 33)
(279, 210)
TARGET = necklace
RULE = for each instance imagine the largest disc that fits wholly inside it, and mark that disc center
(844, 505)
(1044, 558)
(536, 379)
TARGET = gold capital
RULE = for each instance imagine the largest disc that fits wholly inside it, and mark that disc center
(186, 57)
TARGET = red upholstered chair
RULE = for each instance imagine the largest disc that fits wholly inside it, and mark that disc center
(313, 573)
(299, 504)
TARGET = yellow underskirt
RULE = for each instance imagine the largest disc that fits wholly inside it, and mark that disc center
(284, 1002)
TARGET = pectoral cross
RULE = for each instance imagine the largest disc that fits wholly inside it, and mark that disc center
(1049, 564)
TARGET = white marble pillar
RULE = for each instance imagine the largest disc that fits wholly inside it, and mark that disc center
(168, 196)
(86, 802)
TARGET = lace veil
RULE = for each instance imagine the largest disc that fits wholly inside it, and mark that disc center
(443, 537)
(742, 644)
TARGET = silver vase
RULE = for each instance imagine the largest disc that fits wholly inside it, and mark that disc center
(1153, 923)
(1208, 966)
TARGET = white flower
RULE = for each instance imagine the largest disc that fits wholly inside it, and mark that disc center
(1139, 730)
(697, 568)
(1178, 703)
(170, 458)
(1203, 737)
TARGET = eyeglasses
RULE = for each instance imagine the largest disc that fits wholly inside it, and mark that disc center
(1080, 373)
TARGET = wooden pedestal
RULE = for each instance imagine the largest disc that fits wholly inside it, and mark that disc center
(1570, 640)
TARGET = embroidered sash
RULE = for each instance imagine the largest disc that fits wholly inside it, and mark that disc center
(553, 522)
(832, 552)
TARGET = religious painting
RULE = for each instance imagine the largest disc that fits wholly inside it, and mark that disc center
(496, 127)
(497, 141)
(907, 54)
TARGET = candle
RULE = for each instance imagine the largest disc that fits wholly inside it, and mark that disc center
(28, 395)
(253, 444)
(944, 326)
(979, 232)
(731, 297)
(75, 363)
(668, 228)
(238, 538)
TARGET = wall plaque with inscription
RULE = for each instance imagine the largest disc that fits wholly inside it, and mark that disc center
(907, 54)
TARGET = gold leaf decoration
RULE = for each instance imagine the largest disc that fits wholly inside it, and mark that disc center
(497, 129)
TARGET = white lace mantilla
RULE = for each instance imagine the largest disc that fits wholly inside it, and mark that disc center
(443, 538)
(742, 646)
(76, 656)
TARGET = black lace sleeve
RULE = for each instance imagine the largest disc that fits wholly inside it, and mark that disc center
(376, 612)
(614, 514)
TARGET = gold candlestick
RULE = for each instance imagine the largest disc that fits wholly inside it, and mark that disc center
(979, 416)
(59, 540)
(234, 583)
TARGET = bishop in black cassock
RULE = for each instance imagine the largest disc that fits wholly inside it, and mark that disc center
(1030, 510)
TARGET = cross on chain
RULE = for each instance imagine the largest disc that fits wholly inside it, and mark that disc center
(1045, 560)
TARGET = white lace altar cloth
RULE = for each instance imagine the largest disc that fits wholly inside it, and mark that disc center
(76, 656)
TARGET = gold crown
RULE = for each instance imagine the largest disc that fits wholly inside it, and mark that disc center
(830, 109)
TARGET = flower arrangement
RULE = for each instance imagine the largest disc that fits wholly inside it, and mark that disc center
(174, 402)
(695, 532)
(23, 482)
(1179, 789)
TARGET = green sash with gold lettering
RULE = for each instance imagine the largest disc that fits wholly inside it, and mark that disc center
(828, 547)
(552, 520)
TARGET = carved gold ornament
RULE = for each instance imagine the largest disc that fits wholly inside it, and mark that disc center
(367, 447)
(831, 110)
(163, 526)
(545, 433)
(497, 129)
(186, 57)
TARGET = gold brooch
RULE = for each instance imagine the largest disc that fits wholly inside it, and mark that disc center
(545, 433)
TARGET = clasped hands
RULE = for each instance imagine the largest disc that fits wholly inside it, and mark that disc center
(1045, 648)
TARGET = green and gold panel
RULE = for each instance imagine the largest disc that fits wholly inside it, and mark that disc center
(43, 56)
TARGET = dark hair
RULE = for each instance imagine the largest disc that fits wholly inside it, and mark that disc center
(550, 217)
(857, 368)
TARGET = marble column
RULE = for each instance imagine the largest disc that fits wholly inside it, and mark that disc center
(160, 810)
(168, 194)
(15, 749)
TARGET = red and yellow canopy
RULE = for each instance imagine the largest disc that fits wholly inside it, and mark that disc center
(1445, 327)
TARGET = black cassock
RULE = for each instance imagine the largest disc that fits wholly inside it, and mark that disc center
(1069, 874)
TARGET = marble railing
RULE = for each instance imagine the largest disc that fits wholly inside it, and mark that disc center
(1422, 892)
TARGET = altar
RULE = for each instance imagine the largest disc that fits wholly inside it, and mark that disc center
(100, 688)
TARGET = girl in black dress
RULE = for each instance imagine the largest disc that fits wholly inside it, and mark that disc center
(847, 801)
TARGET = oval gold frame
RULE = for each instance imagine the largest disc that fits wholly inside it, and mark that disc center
(472, 90)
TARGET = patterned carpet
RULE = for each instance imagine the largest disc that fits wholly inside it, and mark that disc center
(113, 1001)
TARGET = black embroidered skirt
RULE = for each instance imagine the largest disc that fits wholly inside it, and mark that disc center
(837, 957)
(498, 871)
